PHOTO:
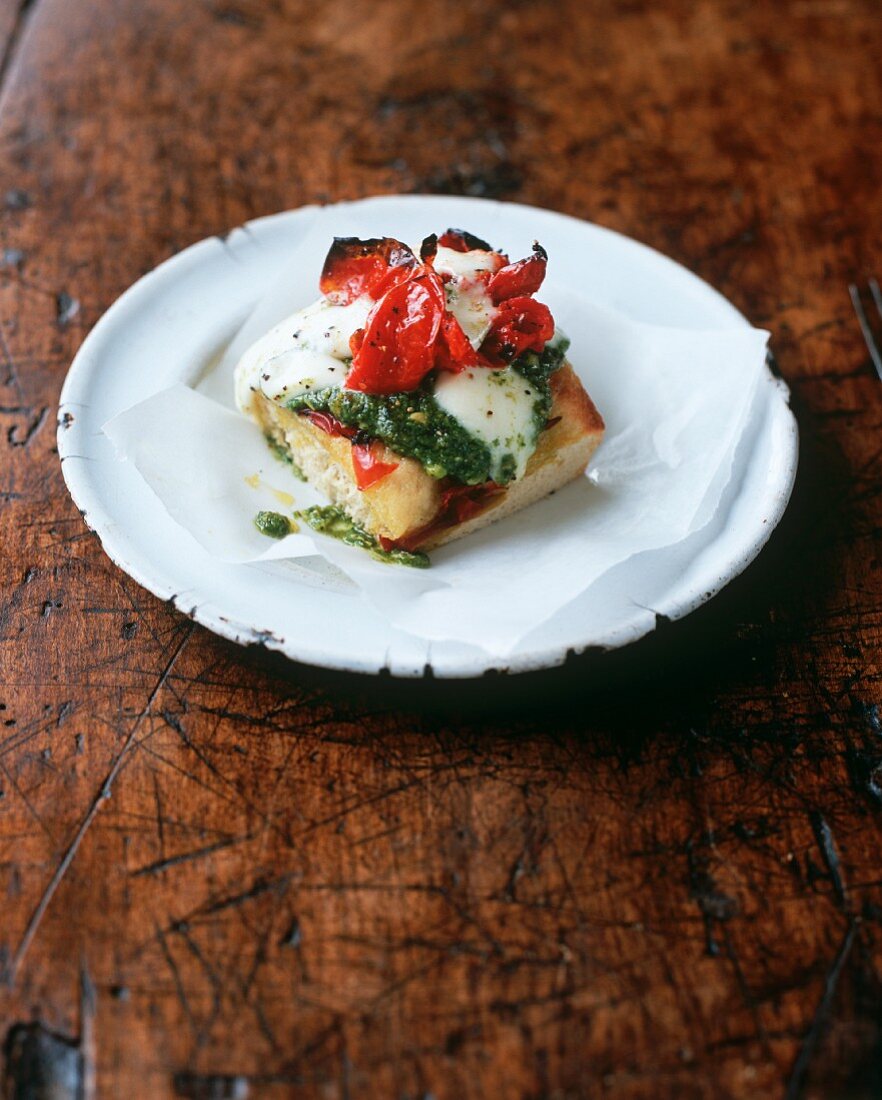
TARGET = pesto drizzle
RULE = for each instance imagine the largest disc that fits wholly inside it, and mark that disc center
(329, 520)
(414, 425)
(283, 455)
(272, 524)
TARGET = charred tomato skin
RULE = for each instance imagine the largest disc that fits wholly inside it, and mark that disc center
(354, 267)
(429, 248)
(460, 240)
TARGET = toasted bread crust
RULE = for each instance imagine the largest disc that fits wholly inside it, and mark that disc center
(404, 506)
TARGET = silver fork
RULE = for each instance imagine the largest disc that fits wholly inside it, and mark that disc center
(866, 328)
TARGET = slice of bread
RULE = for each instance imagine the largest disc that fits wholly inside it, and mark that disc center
(407, 506)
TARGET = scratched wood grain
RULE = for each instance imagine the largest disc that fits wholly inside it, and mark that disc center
(653, 875)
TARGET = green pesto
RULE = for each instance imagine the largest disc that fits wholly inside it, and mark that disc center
(414, 425)
(282, 455)
(272, 524)
(538, 369)
(328, 520)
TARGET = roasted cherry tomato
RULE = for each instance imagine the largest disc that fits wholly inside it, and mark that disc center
(521, 324)
(461, 502)
(460, 240)
(368, 466)
(453, 351)
(398, 348)
(328, 423)
(428, 249)
(519, 279)
(354, 267)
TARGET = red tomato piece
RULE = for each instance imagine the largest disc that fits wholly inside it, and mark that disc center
(328, 423)
(428, 249)
(461, 502)
(454, 352)
(521, 324)
(354, 267)
(460, 240)
(398, 349)
(519, 279)
(369, 469)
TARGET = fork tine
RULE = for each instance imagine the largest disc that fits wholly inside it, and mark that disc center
(877, 295)
(869, 338)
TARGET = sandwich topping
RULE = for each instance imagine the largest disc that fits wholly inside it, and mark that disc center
(443, 355)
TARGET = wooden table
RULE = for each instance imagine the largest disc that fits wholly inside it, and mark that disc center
(652, 875)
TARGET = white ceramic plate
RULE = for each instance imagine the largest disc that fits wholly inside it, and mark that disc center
(187, 310)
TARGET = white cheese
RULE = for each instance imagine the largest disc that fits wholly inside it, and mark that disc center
(496, 406)
(472, 307)
(304, 352)
(300, 370)
(465, 265)
(467, 297)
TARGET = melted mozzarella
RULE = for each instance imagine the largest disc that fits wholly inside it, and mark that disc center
(304, 352)
(467, 297)
(300, 370)
(465, 265)
(496, 406)
(472, 307)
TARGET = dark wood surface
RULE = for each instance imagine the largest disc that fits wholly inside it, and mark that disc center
(653, 875)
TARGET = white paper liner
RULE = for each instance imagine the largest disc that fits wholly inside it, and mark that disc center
(675, 401)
